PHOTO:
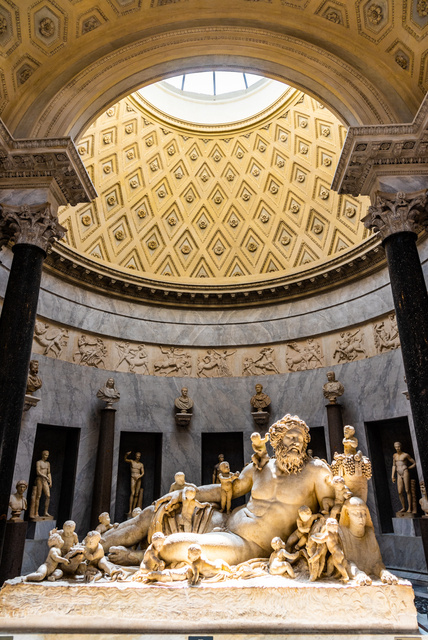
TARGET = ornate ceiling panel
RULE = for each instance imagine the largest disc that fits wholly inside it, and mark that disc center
(250, 207)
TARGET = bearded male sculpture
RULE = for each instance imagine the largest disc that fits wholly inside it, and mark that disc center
(287, 481)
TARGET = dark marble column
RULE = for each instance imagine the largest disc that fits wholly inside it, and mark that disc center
(33, 229)
(398, 218)
(335, 428)
(101, 496)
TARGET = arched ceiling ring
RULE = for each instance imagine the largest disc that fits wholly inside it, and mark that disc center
(68, 111)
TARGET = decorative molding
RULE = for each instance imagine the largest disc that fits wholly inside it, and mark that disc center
(398, 213)
(29, 224)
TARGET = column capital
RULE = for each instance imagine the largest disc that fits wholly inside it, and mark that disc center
(397, 213)
(30, 224)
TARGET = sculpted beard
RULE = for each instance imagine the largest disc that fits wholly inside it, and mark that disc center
(289, 461)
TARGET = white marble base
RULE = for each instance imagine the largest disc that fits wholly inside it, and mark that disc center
(406, 527)
(260, 605)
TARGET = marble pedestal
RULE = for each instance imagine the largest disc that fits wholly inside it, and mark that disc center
(266, 605)
(406, 526)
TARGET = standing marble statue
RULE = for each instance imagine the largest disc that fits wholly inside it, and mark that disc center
(109, 393)
(43, 484)
(17, 501)
(332, 389)
(184, 403)
(401, 464)
(137, 472)
(34, 381)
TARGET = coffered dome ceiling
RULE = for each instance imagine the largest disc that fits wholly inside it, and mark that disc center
(213, 211)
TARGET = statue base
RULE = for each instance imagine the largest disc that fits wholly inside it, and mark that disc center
(269, 604)
(261, 418)
(30, 401)
(405, 514)
(183, 419)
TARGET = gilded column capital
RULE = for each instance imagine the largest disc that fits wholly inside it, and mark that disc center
(398, 212)
(30, 224)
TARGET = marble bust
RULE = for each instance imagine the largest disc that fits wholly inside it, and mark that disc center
(109, 393)
(34, 381)
(17, 502)
(260, 401)
(184, 403)
(332, 389)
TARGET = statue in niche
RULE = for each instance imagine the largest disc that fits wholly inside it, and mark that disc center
(216, 468)
(17, 501)
(260, 401)
(109, 393)
(43, 484)
(401, 464)
(424, 500)
(34, 381)
(386, 338)
(90, 352)
(52, 339)
(137, 473)
(175, 362)
(349, 346)
(184, 403)
(332, 389)
(360, 545)
(352, 465)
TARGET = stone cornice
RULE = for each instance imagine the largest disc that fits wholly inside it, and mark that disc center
(387, 146)
(50, 157)
(357, 262)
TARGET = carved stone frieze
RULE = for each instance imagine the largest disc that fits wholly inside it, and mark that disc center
(349, 346)
(29, 224)
(386, 334)
(304, 356)
(396, 213)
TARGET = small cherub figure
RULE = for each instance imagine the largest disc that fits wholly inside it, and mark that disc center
(201, 567)
(329, 535)
(188, 506)
(105, 523)
(151, 560)
(227, 478)
(135, 512)
(333, 506)
(49, 568)
(278, 561)
(350, 442)
(260, 456)
(68, 535)
(305, 520)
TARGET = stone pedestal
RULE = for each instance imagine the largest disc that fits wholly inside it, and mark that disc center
(36, 545)
(13, 550)
(261, 419)
(271, 604)
(101, 497)
(183, 419)
(335, 428)
(406, 526)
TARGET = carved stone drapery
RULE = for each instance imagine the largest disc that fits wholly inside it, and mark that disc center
(397, 213)
(30, 224)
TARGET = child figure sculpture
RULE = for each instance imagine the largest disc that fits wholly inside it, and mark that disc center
(305, 520)
(49, 568)
(278, 561)
(260, 456)
(227, 478)
(188, 505)
(68, 535)
(333, 506)
(105, 523)
(201, 567)
(330, 536)
(151, 560)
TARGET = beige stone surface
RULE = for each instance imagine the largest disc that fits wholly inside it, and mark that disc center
(259, 605)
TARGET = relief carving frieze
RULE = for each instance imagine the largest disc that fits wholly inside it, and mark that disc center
(89, 349)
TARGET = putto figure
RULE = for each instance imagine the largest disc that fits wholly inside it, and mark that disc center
(43, 484)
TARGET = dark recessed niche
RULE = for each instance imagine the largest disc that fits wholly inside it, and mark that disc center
(150, 447)
(231, 444)
(62, 444)
(317, 443)
(381, 435)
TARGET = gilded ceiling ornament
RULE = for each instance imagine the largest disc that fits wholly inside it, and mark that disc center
(283, 137)
(152, 244)
(134, 183)
(3, 25)
(280, 163)
(333, 16)
(327, 161)
(193, 155)
(218, 250)
(82, 150)
(295, 208)
(86, 220)
(130, 154)
(172, 221)
(252, 247)
(110, 112)
(318, 228)
(350, 212)
(186, 249)
(154, 165)
(422, 8)
(285, 240)
(230, 176)
(111, 200)
(90, 24)
(149, 142)
(202, 224)
(246, 196)
(324, 194)
(262, 147)
(107, 168)
(141, 213)
(179, 174)
(107, 138)
(374, 14)
(190, 197)
(304, 149)
(402, 61)
(216, 157)
(218, 199)
(239, 154)
(273, 188)
(46, 27)
(264, 218)
(303, 123)
(25, 73)
(119, 235)
(301, 177)
(234, 222)
(161, 193)
(256, 171)
(204, 177)
(129, 128)
(325, 131)
(171, 150)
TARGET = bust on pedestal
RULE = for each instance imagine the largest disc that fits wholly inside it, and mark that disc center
(261, 407)
(183, 408)
(34, 383)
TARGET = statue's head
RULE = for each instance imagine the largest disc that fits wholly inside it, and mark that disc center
(194, 552)
(221, 457)
(397, 446)
(355, 516)
(92, 539)
(69, 526)
(45, 454)
(21, 486)
(138, 455)
(277, 543)
(179, 478)
(189, 493)
(55, 540)
(259, 388)
(331, 377)
(184, 392)
(34, 367)
(110, 383)
(289, 438)
(104, 518)
(158, 540)
(224, 467)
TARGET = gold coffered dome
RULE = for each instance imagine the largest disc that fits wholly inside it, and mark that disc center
(213, 211)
